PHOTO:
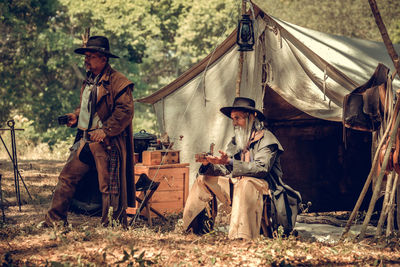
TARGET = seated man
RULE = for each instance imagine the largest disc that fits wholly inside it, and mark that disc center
(237, 177)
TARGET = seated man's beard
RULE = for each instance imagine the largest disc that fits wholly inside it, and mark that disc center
(242, 136)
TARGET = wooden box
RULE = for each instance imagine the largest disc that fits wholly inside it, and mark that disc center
(171, 194)
(160, 157)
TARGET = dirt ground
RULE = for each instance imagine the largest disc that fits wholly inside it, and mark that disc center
(85, 243)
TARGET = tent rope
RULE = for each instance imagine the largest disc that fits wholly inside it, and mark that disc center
(254, 16)
(270, 76)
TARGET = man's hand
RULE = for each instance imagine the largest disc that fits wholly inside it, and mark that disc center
(204, 162)
(223, 159)
(97, 135)
(72, 119)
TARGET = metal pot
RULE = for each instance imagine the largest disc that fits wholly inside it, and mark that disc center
(142, 141)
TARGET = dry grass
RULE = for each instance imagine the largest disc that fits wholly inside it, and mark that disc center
(26, 150)
(85, 243)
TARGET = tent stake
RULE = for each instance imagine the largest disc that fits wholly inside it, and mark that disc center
(383, 169)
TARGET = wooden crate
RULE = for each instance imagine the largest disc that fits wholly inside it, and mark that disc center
(171, 195)
(160, 157)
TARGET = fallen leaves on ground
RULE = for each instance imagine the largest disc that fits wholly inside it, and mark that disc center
(84, 242)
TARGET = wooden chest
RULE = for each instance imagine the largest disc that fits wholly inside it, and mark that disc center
(171, 195)
(158, 157)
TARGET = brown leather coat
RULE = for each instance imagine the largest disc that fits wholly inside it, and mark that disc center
(115, 109)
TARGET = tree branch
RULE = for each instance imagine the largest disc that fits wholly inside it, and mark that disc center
(385, 36)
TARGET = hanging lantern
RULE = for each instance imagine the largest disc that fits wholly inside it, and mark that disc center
(245, 34)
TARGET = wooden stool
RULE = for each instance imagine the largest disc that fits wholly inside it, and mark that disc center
(148, 187)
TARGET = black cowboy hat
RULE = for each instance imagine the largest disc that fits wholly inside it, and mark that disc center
(96, 44)
(244, 104)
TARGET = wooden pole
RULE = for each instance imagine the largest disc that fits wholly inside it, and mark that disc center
(239, 74)
(385, 35)
(385, 205)
(3, 216)
(390, 219)
(367, 182)
(382, 172)
(241, 59)
(398, 204)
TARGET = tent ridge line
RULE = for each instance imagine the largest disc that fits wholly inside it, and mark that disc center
(319, 62)
(331, 95)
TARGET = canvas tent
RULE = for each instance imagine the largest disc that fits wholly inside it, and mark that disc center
(299, 78)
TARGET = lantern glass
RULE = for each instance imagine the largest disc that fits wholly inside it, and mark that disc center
(245, 34)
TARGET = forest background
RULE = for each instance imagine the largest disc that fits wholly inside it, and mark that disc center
(157, 40)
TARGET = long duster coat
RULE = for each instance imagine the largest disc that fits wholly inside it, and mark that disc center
(115, 109)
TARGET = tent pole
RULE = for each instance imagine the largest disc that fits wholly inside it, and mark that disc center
(385, 206)
(382, 172)
(390, 219)
(385, 35)
(239, 74)
(398, 204)
(368, 181)
(241, 58)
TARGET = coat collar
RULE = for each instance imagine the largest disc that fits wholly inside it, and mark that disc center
(256, 136)
(106, 74)
(103, 82)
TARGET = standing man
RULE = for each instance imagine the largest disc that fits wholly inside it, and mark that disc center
(104, 139)
(238, 177)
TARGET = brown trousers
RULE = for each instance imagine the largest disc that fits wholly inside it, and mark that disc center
(71, 174)
(247, 202)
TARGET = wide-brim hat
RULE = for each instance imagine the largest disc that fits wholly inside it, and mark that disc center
(244, 104)
(96, 44)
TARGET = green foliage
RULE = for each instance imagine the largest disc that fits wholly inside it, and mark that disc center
(342, 17)
(21, 21)
(157, 40)
(131, 259)
(207, 23)
(37, 76)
